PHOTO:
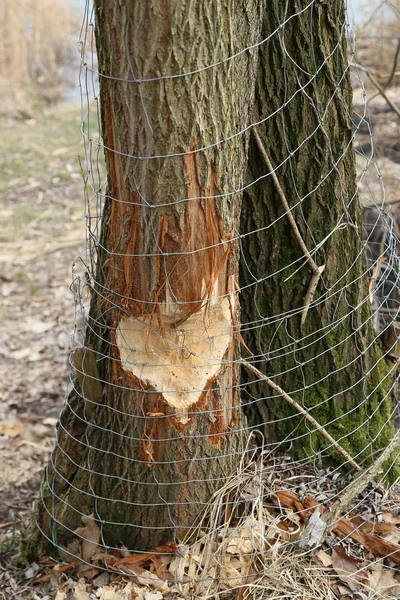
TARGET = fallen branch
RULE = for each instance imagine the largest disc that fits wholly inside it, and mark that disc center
(9, 523)
(359, 484)
(304, 412)
(316, 270)
(323, 520)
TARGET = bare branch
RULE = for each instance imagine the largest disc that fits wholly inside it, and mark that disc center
(303, 411)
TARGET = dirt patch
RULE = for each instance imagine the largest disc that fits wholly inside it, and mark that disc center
(42, 232)
(384, 124)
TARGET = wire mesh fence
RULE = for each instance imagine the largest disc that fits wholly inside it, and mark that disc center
(233, 381)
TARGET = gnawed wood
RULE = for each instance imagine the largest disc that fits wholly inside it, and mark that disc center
(180, 361)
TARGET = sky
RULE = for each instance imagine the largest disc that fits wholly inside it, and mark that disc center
(355, 6)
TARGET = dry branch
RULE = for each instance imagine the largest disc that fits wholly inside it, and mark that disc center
(380, 89)
(304, 412)
(392, 73)
(359, 484)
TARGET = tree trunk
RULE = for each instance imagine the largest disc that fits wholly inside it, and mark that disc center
(330, 364)
(145, 449)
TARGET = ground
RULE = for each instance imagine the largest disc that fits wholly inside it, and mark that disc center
(42, 232)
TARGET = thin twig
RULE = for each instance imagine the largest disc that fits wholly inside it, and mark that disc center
(388, 202)
(284, 202)
(383, 94)
(380, 89)
(392, 72)
(9, 523)
(303, 411)
(316, 270)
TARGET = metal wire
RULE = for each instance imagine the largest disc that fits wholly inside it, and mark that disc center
(374, 261)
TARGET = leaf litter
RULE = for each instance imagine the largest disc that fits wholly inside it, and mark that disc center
(250, 551)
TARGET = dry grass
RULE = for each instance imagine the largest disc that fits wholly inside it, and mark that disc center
(36, 45)
(377, 38)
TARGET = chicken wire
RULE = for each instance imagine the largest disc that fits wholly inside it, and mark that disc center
(237, 509)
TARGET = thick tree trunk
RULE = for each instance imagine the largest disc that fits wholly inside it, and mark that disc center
(329, 364)
(145, 449)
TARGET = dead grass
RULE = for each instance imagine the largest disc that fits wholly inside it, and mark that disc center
(36, 45)
(244, 548)
(377, 40)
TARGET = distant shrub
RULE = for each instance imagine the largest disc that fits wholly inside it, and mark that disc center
(37, 49)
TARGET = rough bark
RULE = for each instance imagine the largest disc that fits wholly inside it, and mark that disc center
(143, 458)
(330, 364)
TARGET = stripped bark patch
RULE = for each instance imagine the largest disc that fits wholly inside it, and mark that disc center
(180, 363)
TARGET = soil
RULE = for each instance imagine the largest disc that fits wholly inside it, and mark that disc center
(42, 232)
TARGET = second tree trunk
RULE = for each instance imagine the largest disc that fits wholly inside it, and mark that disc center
(330, 365)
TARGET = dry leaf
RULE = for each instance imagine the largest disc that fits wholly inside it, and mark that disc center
(313, 531)
(323, 558)
(112, 592)
(101, 580)
(382, 580)
(91, 535)
(79, 591)
(391, 520)
(347, 568)
(139, 559)
(343, 591)
(153, 596)
(245, 590)
(109, 592)
(237, 545)
(389, 517)
(64, 568)
(11, 431)
(289, 499)
(159, 566)
(230, 577)
(101, 556)
(178, 565)
(72, 552)
(86, 571)
(150, 579)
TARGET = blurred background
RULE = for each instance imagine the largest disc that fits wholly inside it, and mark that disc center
(43, 205)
